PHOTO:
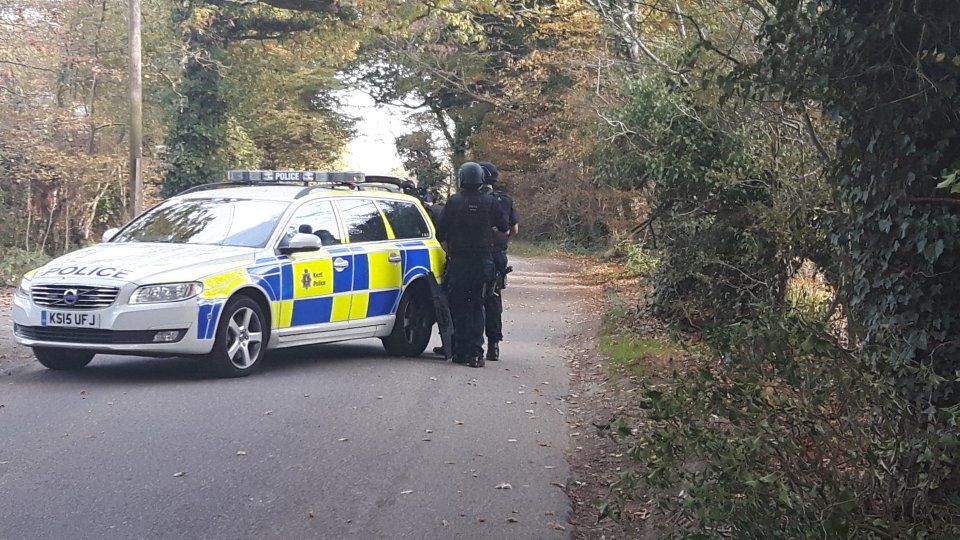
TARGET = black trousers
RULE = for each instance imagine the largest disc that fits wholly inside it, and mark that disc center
(493, 304)
(467, 277)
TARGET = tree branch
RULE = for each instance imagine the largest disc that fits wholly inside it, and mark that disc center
(28, 66)
(813, 135)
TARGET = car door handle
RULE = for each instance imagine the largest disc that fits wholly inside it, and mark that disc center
(340, 264)
(394, 258)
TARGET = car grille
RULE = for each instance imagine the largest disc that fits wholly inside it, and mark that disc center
(56, 296)
(87, 335)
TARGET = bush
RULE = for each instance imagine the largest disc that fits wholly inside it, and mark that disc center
(16, 261)
(786, 436)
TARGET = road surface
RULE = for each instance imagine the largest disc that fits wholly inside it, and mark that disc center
(334, 441)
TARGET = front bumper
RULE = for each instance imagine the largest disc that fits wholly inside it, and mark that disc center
(123, 329)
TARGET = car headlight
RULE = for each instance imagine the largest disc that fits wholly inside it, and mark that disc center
(23, 287)
(168, 292)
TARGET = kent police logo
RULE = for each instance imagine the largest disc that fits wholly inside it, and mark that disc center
(305, 279)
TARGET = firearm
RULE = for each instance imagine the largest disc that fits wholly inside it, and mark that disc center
(502, 278)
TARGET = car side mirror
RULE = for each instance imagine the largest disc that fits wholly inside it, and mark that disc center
(300, 242)
(109, 234)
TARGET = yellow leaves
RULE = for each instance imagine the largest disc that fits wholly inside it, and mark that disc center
(201, 18)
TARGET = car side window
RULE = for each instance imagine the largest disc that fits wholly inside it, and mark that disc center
(363, 220)
(405, 219)
(315, 218)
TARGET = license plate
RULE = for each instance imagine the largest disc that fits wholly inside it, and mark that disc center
(70, 318)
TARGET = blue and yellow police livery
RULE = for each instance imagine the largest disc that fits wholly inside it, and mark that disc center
(231, 270)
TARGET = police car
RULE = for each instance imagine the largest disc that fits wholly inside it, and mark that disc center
(227, 271)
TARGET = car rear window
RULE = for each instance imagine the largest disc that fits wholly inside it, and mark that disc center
(405, 219)
(363, 220)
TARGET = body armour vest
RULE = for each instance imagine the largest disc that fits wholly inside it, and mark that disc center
(470, 228)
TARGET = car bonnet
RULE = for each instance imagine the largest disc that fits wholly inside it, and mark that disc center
(134, 262)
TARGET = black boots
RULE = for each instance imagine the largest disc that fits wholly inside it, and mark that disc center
(493, 351)
(476, 361)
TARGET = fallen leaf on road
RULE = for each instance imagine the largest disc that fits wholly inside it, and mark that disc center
(549, 467)
(512, 520)
(511, 440)
(444, 523)
(343, 439)
(544, 443)
(558, 484)
(379, 397)
(428, 430)
(433, 378)
(450, 462)
(241, 453)
(425, 439)
(458, 422)
(179, 474)
(529, 411)
(557, 526)
(482, 520)
(309, 514)
(406, 492)
(268, 413)
(503, 485)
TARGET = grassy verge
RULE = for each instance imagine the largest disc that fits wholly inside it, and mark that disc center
(635, 356)
(527, 248)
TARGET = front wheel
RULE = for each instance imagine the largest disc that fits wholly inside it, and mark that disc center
(62, 359)
(414, 323)
(240, 340)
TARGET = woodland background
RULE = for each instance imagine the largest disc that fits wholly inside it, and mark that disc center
(788, 168)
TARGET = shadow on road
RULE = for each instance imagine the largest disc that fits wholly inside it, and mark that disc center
(300, 361)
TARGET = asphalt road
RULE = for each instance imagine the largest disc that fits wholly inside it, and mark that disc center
(335, 441)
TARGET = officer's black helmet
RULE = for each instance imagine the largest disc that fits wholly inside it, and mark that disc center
(490, 172)
(471, 174)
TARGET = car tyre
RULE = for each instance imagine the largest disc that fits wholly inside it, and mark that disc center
(62, 359)
(241, 339)
(413, 326)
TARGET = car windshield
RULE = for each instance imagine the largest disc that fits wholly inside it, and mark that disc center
(223, 222)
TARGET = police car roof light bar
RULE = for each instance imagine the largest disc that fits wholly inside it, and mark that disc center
(305, 178)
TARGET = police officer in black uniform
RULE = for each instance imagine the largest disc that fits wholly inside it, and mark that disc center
(434, 209)
(493, 304)
(466, 230)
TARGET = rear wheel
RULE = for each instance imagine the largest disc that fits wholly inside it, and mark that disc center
(414, 324)
(62, 359)
(241, 339)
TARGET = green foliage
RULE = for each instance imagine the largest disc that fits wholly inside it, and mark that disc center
(196, 140)
(789, 434)
(900, 142)
(16, 261)
(728, 216)
(638, 260)
(421, 157)
(783, 435)
(260, 106)
(630, 355)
